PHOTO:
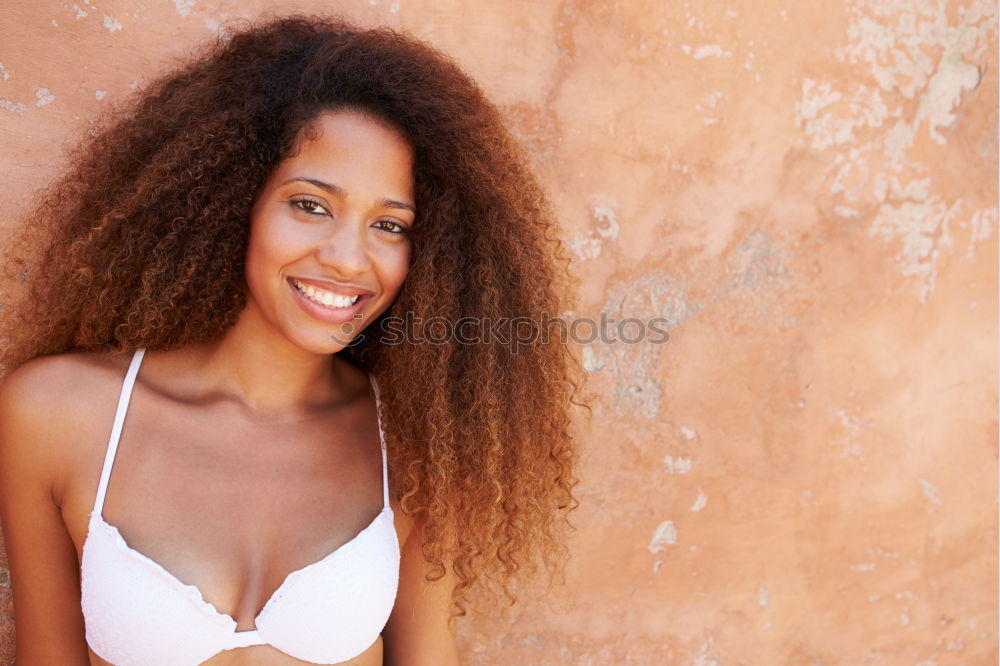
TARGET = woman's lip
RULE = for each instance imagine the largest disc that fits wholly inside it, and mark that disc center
(333, 288)
(323, 313)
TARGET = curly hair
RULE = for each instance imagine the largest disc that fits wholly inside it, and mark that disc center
(141, 242)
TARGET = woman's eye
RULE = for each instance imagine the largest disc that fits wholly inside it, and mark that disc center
(309, 206)
(391, 226)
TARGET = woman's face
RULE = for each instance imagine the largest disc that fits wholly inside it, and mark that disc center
(329, 246)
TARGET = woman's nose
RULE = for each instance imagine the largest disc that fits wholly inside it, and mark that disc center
(345, 251)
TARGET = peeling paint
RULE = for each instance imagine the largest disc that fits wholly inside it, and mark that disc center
(982, 224)
(606, 227)
(758, 262)
(709, 50)
(921, 222)
(930, 491)
(688, 433)
(850, 446)
(607, 222)
(591, 362)
(217, 27)
(664, 535)
(705, 656)
(586, 247)
(183, 7)
(635, 366)
(44, 97)
(394, 7)
(821, 118)
(713, 100)
(945, 88)
(700, 501)
(111, 23)
(913, 51)
(816, 96)
(100, 94)
(762, 596)
(678, 465)
(4, 74)
(14, 107)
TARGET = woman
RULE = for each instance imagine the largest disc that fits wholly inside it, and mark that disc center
(254, 261)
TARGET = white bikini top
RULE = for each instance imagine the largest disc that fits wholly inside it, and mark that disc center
(138, 614)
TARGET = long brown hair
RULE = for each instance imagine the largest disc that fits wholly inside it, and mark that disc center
(141, 243)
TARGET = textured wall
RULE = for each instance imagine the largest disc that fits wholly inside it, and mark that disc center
(806, 472)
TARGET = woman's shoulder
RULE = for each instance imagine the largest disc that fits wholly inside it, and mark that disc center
(49, 403)
(64, 381)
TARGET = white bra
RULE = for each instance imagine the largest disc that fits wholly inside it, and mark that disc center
(139, 614)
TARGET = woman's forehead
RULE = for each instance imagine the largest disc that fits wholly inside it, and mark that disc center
(351, 151)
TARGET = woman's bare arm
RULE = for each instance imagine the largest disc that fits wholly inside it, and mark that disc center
(417, 633)
(42, 558)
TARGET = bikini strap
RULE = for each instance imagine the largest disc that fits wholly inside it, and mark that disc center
(381, 437)
(116, 430)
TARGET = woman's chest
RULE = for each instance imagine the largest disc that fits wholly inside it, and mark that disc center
(230, 509)
(193, 477)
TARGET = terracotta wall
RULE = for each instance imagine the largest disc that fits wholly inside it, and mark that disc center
(805, 473)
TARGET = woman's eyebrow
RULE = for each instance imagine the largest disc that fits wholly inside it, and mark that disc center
(342, 193)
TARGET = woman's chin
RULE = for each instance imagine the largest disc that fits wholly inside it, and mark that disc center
(329, 341)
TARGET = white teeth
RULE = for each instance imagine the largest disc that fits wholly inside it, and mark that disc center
(324, 297)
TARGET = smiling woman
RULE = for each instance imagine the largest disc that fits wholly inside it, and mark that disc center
(329, 228)
(280, 483)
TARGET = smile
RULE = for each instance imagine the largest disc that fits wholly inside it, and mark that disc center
(325, 298)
